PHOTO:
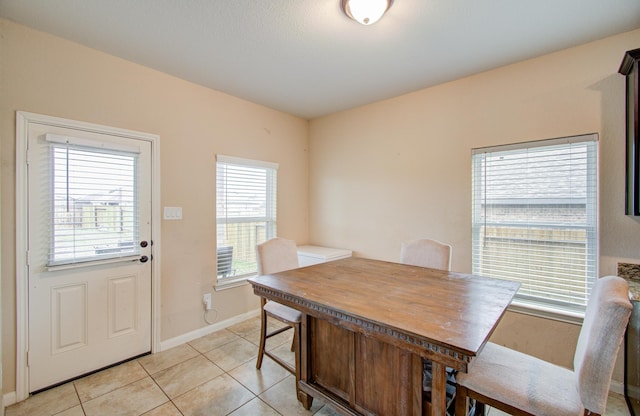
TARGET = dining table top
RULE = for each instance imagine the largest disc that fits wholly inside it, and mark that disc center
(458, 311)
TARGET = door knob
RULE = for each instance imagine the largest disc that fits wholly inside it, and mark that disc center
(144, 259)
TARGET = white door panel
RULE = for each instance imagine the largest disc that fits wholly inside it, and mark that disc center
(123, 305)
(69, 326)
(89, 203)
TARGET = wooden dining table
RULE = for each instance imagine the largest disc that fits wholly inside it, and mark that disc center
(369, 325)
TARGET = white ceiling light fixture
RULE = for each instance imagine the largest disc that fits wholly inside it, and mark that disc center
(366, 12)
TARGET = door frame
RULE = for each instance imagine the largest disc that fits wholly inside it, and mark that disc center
(23, 120)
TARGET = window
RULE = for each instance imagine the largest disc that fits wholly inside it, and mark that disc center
(535, 220)
(93, 211)
(245, 214)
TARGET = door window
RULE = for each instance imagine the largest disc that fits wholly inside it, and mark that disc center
(93, 213)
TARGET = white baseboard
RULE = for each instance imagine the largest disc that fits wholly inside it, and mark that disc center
(8, 399)
(200, 332)
(616, 387)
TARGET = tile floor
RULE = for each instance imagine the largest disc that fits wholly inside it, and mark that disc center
(213, 375)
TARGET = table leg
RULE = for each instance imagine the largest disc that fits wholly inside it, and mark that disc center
(302, 362)
(438, 389)
(305, 399)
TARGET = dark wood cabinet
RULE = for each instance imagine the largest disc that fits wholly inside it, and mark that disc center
(629, 68)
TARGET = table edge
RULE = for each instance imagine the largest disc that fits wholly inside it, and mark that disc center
(454, 357)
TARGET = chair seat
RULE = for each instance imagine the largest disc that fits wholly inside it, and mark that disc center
(523, 381)
(283, 313)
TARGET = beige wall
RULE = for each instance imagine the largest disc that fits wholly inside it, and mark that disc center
(47, 75)
(374, 176)
(401, 168)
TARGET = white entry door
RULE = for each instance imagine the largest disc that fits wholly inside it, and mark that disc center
(89, 251)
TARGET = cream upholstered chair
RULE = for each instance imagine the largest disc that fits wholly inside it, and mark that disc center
(524, 385)
(435, 255)
(426, 253)
(277, 255)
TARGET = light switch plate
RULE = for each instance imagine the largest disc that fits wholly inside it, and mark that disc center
(172, 213)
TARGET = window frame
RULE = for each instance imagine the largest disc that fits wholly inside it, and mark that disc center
(81, 152)
(270, 217)
(547, 308)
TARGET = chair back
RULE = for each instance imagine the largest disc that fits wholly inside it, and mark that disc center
(277, 255)
(426, 253)
(603, 328)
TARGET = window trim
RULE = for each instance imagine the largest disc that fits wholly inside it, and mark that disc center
(535, 308)
(241, 280)
(246, 162)
(89, 148)
(541, 311)
(232, 282)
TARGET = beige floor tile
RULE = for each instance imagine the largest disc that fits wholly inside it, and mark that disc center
(246, 327)
(253, 337)
(255, 407)
(282, 397)
(283, 338)
(214, 340)
(167, 409)
(108, 380)
(47, 403)
(327, 410)
(74, 411)
(284, 352)
(217, 397)
(259, 380)
(184, 376)
(616, 406)
(133, 399)
(165, 359)
(233, 354)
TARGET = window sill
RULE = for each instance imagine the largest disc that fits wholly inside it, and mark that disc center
(231, 283)
(93, 262)
(542, 311)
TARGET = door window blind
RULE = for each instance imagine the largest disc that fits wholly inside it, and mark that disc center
(92, 200)
(535, 219)
(245, 213)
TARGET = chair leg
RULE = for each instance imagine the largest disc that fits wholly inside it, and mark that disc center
(462, 401)
(296, 345)
(263, 333)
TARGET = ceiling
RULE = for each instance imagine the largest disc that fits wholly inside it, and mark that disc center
(306, 58)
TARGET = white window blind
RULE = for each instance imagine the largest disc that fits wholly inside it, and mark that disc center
(92, 200)
(535, 219)
(245, 213)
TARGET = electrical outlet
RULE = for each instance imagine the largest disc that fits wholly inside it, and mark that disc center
(206, 301)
